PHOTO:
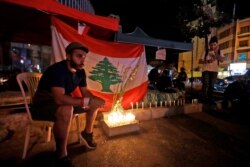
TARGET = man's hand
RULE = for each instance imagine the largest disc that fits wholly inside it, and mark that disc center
(96, 102)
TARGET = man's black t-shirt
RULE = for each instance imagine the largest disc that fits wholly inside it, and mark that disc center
(58, 75)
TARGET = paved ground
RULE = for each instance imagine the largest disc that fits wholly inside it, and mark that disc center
(207, 139)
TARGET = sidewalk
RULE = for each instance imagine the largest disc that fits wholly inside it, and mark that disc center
(207, 139)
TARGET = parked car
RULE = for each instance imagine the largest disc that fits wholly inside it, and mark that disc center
(220, 85)
(231, 79)
(238, 92)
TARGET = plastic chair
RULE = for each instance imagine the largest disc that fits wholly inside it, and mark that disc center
(31, 80)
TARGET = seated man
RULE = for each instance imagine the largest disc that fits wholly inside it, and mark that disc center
(181, 79)
(164, 82)
(53, 101)
(153, 77)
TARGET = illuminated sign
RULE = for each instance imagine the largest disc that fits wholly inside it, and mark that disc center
(242, 56)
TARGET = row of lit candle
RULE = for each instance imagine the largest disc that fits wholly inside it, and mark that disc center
(178, 102)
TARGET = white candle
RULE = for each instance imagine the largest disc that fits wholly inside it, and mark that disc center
(142, 105)
(165, 103)
(150, 105)
(169, 103)
(155, 104)
(132, 105)
(137, 105)
(161, 103)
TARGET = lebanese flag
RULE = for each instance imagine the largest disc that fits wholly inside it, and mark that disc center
(115, 71)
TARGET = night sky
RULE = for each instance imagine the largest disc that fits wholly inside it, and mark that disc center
(158, 18)
(154, 18)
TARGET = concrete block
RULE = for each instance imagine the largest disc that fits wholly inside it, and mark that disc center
(159, 112)
(175, 110)
(143, 114)
(118, 130)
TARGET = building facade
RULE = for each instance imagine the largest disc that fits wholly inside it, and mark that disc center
(234, 41)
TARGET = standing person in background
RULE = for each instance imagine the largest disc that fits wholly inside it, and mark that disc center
(210, 60)
(173, 73)
(53, 101)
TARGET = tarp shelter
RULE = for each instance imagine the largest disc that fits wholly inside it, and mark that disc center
(29, 20)
(138, 36)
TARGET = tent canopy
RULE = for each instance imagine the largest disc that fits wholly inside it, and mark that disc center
(29, 21)
(138, 36)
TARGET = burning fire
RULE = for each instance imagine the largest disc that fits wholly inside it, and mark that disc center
(118, 116)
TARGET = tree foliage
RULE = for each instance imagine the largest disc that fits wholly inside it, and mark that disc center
(198, 19)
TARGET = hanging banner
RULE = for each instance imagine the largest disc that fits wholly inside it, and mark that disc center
(160, 54)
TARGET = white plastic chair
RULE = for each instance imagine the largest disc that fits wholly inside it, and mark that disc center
(31, 80)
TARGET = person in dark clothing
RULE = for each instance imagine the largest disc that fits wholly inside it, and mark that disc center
(53, 101)
(164, 82)
(181, 79)
(153, 77)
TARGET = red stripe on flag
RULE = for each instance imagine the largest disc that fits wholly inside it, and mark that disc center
(110, 49)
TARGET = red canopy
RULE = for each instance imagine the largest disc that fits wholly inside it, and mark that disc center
(29, 20)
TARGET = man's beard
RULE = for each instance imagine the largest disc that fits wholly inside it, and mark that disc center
(75, 66)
